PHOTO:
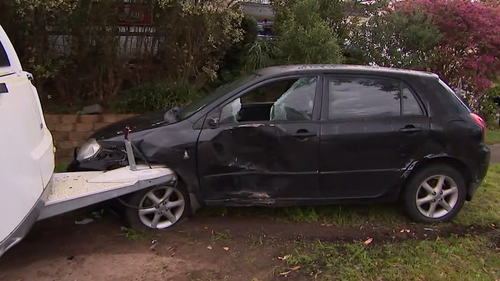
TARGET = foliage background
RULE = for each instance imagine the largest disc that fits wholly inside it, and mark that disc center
(80, 55)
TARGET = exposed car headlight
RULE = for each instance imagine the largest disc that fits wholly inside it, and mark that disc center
(89, 149)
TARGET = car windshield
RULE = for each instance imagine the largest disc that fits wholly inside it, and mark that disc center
(197, 105)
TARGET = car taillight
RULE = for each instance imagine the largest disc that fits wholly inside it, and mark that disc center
(481, 123)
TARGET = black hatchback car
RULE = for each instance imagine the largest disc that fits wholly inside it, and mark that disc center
(306, 135)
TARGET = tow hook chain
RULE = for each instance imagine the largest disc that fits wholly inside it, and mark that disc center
(129, 147)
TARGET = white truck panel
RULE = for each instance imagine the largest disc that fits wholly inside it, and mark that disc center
(15, 64)
(25, 142)
(29, 191)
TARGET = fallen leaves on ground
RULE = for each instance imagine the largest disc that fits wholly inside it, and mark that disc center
(285, 257)
(290, 270)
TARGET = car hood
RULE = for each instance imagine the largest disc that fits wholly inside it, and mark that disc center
(137, 123)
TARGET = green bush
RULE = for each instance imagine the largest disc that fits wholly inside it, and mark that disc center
(154, 96)
(260, 54)
(487, 108)
(80, 53)
(303, 35)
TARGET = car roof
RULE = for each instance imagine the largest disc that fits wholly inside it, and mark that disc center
(304, 68)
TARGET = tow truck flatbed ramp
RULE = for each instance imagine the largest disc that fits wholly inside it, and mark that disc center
(72, 191)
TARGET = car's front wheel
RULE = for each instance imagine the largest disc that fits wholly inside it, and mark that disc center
(435, 194)
(158, 208)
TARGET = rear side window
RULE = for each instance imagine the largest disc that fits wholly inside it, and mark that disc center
(358, 97)
(4, 60)
(459, 103)
(446, 96)
(410, 103)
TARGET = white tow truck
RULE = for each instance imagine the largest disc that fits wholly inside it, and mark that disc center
(30, 190)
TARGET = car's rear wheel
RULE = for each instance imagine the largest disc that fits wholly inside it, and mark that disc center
(158, 208)
(435, 194)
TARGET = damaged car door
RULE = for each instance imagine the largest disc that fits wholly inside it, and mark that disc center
(261, 145)
(374, 126)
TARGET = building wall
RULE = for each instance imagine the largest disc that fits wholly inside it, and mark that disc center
(70, 131)
(259, 11)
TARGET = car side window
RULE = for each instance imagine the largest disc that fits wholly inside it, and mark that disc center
(285, 100)
(411, 107)
(4, 59)
(354, 97)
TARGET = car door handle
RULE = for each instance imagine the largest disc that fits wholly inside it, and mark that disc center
(411, 129)
(304, 134)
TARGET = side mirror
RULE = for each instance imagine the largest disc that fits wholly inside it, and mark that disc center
(213, 122)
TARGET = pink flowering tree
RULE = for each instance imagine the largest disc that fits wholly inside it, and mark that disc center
(469, 48)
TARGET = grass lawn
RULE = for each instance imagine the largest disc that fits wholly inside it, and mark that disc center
(473, 254)
(469, 258)
(473, 257)
(493, 136)
(453, 257)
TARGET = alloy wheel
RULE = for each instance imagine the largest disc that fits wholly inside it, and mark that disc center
(162, 207)
(437, 196)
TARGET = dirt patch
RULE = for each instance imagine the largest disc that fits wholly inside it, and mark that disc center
(203, 228)
(103, 266)
(495, 241)
(202, 248)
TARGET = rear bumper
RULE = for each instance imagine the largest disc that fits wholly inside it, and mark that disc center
(480, 173)
(24, 227)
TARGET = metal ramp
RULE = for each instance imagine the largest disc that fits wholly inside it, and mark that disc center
(71, 191)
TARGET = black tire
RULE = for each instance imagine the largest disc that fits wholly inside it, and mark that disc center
(135, 199)
(409, 195)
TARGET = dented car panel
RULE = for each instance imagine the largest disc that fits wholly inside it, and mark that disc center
(316, 158)
(239, 162)
(375, 150)
(375, 169)
(254, 163)
(168, 145)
